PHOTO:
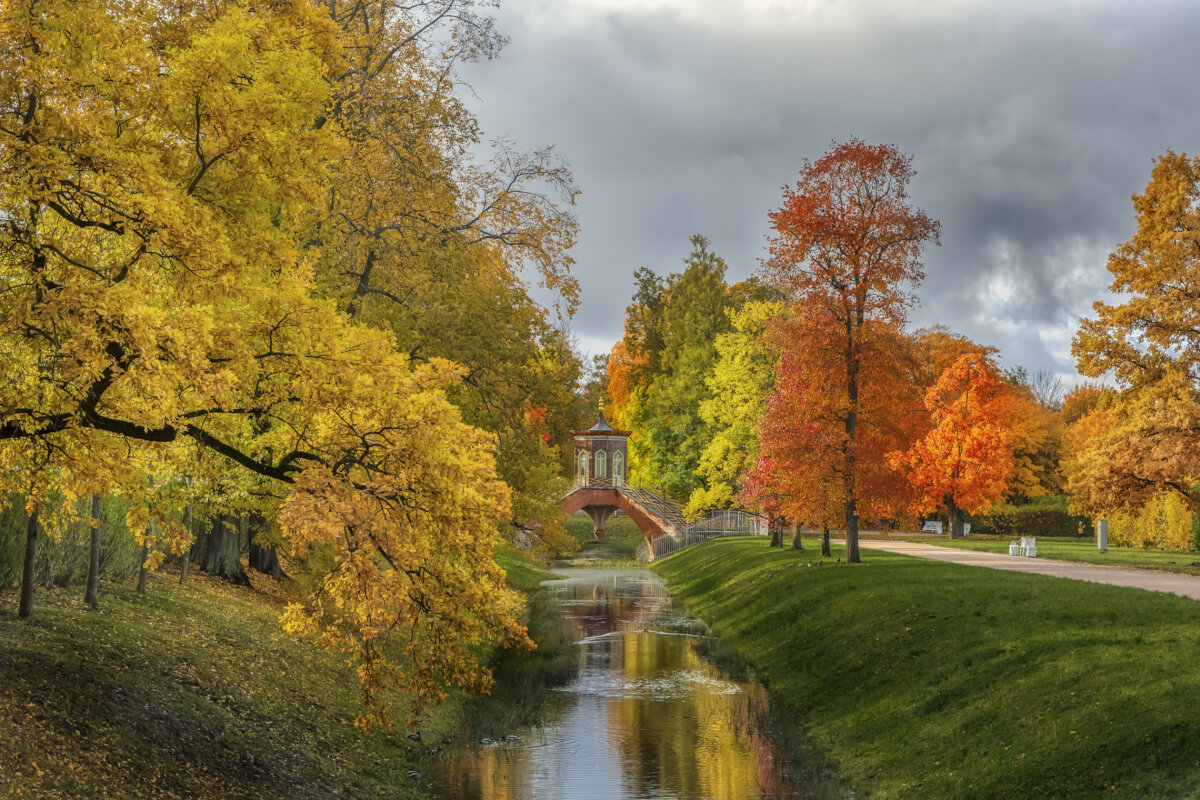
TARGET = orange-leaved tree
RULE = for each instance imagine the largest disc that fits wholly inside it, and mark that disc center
(966, 460)
(848, 244)
(803, 441)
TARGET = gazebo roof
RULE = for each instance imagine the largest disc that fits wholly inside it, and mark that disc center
(601, 428)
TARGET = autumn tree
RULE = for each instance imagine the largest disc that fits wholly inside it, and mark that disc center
(966, 461)
(801, 470)
(159, 174)
(847, 244)
(739, 384)
(1148, 346)
(420, 239)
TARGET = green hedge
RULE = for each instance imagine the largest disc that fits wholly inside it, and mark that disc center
(1044, 517)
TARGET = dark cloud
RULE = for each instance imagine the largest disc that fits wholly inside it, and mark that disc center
(1030, 126)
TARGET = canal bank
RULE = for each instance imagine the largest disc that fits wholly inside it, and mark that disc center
(931, 680)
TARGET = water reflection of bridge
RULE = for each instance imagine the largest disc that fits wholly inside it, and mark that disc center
(601, 457)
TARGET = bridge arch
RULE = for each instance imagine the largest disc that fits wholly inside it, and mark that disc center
(599, 503)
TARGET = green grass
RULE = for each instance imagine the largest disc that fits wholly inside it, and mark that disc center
(523, 573)
(921, 679)
(1073, 549)
(196, 692)
(618, 547)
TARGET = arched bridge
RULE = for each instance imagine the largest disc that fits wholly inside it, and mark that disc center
(600, 459)
(655, 515)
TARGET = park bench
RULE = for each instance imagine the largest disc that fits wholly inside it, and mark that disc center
(1026, 547)
(935, 526)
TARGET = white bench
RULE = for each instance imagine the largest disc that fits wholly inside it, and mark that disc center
(1026, 547)
(935, 526)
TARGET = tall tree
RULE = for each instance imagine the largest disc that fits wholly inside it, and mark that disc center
(848, 244)
(1148, 345)
(801, 471)
(739, 384)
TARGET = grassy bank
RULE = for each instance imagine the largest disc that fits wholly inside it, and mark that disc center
(618, 547)
(195, 692)
(922, 679)
(1074, 549)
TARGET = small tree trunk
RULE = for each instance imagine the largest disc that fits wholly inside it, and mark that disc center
(25, 610)
(852, 532)
(187, 554)
(825, 551)
(144, 572)
(956, 522)
(797, 544)
(91, 595)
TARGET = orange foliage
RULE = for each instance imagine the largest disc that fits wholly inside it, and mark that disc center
(808, 457)
(966, 460)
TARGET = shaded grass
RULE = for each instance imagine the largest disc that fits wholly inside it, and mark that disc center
(923, 679)
(1084, 550)
(523, 573)
(618, 547)
(196, 692)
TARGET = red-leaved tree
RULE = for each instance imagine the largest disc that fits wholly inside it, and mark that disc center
(848, 245)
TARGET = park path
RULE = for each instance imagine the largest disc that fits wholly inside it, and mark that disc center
(1171, 583)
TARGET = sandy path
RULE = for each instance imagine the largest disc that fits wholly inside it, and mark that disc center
(1185, 585)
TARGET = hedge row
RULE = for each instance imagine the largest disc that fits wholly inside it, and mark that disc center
(1035, 519)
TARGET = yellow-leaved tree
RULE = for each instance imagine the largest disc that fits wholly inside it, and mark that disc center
(160, 165)
(1143, 438)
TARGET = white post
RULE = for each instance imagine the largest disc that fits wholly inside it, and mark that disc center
(1102, 535)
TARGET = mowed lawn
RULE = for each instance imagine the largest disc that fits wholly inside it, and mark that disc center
(921, 679)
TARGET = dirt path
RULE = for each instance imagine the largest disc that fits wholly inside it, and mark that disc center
(1185, 585)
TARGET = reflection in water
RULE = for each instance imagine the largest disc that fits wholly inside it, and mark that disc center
(647, 716)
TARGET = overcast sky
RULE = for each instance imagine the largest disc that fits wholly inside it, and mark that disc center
(1030, 125)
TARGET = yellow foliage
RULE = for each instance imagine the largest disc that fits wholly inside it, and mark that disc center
(1163, 523)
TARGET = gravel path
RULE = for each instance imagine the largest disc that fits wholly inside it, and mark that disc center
(1171, 583)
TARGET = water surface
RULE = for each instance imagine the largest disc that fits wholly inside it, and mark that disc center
(648, 716)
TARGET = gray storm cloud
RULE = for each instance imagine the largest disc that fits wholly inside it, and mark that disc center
(1030, 125)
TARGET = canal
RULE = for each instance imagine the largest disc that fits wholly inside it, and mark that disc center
(653, 712)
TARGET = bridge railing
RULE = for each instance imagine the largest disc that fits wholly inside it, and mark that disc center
(715, 524)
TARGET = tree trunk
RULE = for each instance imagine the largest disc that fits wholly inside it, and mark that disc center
(144, 571)
(91, 594)
(776, 528)
(31, 533)
(187, 554)
(797, 544)
(223, 550)
(956, 521)
(850, 485)
(262, 557)
(825, 551)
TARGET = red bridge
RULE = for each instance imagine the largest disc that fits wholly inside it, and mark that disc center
(601, 457)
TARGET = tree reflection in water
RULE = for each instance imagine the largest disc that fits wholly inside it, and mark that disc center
(649, 716)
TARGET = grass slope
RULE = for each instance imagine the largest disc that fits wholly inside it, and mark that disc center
(922, 679)
(196, 692)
